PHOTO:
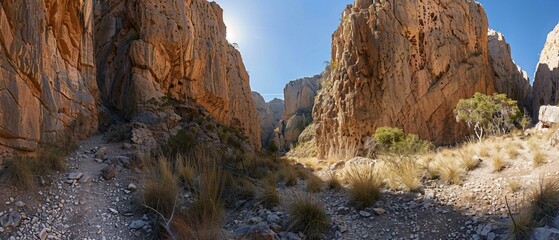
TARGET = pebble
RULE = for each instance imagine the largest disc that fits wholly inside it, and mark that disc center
(364, 214)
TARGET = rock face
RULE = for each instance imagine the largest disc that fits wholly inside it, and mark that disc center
(150, 49)
(47, 76)
(269, 115)
(403, 64)
(548, 115)
(509, 77)
(299, 101)
(547, 73)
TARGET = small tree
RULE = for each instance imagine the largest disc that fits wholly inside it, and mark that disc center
(488, 114)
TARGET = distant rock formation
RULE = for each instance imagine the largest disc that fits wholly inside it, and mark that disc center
(403, 64)
(47, 77)
(299, 98)
(178, 49)
(546, 85)
(269, 114)
(509, 77)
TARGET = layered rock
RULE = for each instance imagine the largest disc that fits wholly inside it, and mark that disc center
(403, 64)
(269, 115)
(509, 77)
(299, 101)
(150, 49)
(47, 75)
(547, 74)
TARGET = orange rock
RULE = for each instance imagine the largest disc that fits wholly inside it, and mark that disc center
(547, 75)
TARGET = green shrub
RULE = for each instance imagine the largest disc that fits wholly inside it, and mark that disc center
(395, 141)
(496, 114)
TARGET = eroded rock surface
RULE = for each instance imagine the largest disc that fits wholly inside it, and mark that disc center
(47, 73)
(178, 50)
(403, 64)
(547, 74)
(510, 79)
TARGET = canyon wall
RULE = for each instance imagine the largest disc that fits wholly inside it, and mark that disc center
(509, 77)
(547, 74)
(48, 90)
(402, 64)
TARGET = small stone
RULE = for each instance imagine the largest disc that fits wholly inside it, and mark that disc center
(379, 211)
(20, 204)
(75, 175)
(137, 224)
(364, 214)
(43, 234)
(113, 210)
(101, 153)
(132, 187)
(1, 229)
(108, 172)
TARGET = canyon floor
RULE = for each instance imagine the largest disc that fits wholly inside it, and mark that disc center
(91, 207)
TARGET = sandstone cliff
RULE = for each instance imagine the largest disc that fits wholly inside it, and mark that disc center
(404, 64)
(269, 114)
(47, 76)
(547, 74)
(509, 78)
(299, 101)
(149, 49)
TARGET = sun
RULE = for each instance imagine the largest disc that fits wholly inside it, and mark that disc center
(233, 31)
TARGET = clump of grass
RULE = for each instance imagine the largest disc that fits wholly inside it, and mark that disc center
(268, 194)
(161, 187)
(540, 208)
(314, 183)
(19, 172)
(364, 186)
(208, 205)
(308, 216)
(514, 186)
(449, 172)
(539, 158)
(483, 151)
(185, 171)
(499, 163)
(334, 182)
(405, 171)
(50, 159)
(288, 174)
(468, 161)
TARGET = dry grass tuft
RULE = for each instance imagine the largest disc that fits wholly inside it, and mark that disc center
(288, 174)
(449, 172)
(468, 161)
(268, 193)
(334, 182)
(514, 186)
(19, 172)
(540, 208)
(364, 186)
(314, 183)
(499, 163)
(405, 171)
(539, 158)
(161, 187)
(308, 216)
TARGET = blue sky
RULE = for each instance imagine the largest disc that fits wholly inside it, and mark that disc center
(282, 40)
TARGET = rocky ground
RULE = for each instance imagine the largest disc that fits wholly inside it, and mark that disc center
(476, 209)
(92, 200)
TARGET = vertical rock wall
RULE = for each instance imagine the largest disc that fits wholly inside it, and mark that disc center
(547, 74)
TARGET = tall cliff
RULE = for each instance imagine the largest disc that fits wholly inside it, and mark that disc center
(47, 75)
(547, 74)
(299, 98)
(269, 114)
(150, 49)
(509, 77)
(404, 64)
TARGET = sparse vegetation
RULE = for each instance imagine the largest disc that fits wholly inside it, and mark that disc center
(540, 207)
(449, 172)
(395, 141)
(405, 171)
(334, 182)
(467, 159)
(19, 172)
(268, 194)
(314, 183)
(539, 158)
(308, 216)
(364, 186)
(161, 187)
